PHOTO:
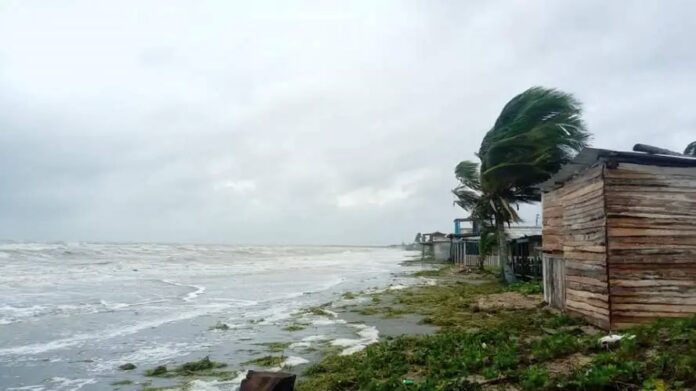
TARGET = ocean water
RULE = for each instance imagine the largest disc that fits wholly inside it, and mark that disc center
(71, 313)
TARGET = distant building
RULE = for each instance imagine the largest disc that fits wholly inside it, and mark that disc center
(524, 242)
(436, 245)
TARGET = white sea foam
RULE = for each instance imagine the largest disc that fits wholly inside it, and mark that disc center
(327, 322)
(37, 387)
(368, 335)
(115, 293)
(293, 361)
(57, 384)
(213, 385)
(79, 339)
(240, 302)
(216, 385)
(191, 296)
(315, 338)
(10, 314)
(430, 281)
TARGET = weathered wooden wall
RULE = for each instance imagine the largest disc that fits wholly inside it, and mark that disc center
(552, 222)
(651, 220)
(553, 266)
(554, 281)
(575, 230)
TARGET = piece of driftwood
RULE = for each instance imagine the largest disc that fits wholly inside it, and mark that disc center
(268, 381)
(654, 150)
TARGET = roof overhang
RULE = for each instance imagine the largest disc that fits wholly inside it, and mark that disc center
(589, 157)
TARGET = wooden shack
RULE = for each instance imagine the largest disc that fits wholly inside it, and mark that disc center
(619, 233)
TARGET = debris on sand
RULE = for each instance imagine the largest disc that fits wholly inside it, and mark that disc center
(508, 301)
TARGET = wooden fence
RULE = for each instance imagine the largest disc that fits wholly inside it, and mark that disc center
(460, 257)
(527, 267)
(473, 260)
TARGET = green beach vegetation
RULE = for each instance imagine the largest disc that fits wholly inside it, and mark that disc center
(296, 326)
(484, 342)
(276, 346)
(267, 361)
(201, 368)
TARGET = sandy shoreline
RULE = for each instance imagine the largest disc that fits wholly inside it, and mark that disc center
(345, 325)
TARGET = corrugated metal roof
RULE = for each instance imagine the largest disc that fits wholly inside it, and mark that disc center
(516, 232)
(588, 157)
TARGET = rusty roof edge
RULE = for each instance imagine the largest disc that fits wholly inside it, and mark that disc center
(588, 157)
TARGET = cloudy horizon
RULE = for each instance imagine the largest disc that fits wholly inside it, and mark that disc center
(303, 123)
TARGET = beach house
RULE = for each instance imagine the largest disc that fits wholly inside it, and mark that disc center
(619, 237)
(524, 243)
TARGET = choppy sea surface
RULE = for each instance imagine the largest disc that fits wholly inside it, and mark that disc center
(71, 313)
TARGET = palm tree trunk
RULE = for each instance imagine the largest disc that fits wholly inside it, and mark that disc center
(503, 252)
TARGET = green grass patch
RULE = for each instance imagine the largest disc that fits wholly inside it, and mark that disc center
(526, 288)
(534, 378)
(276, 346)
(158, 371)
(553, 346)
(444, 270)
(204, 364)
(295, 327)
(267, 361)
(511, 347)
(203, 367)
(319, 311)
(349, 296)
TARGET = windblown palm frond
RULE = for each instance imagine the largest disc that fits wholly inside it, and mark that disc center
(468, 194)
(536, 133)
(466, 198)
(467, 172)
(691, 149)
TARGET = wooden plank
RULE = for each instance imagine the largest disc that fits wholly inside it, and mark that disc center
(601, 289)
(585, 280)
(586, 307)
(649, 298)
(652, 283)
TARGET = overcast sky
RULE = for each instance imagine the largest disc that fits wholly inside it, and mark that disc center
(303, 122)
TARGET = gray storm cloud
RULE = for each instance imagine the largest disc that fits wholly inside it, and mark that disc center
(302, 122)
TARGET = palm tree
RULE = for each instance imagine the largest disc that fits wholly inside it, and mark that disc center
(690, 149)
(469, 193)
(487, 243)
(470, 197)
(537, 132)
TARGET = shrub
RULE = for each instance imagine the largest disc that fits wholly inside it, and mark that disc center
(526, 288)
(553, 346)
(534, 378)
